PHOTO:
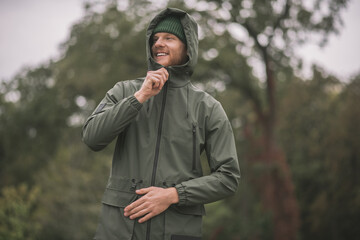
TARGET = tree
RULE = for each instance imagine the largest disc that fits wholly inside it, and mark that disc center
(305, 110)
(272, 29)
(342, 163)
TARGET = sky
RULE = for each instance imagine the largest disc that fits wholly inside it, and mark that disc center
(32, 30)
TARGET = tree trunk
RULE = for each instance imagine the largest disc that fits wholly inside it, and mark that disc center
(275, 185)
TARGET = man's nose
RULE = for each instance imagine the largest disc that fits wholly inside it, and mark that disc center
(159, 43)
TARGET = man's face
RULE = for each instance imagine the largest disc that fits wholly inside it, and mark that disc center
(168, 49)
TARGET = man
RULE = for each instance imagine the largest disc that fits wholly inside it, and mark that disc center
(156, 189)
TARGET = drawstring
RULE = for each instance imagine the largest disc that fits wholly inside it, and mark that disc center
(134, 184)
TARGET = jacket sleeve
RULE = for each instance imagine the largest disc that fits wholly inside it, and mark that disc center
(114, 113)
(222, 157)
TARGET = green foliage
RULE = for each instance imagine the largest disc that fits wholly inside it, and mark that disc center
(17, 206)
(72, 185)
(342, 167)
(103, 49)
(304, 118)
(319, 130)
(30, 120)
(239, 217)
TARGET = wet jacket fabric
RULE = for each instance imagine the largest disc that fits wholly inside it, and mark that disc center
(159, 143)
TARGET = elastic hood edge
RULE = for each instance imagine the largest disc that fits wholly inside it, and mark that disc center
(191, 32)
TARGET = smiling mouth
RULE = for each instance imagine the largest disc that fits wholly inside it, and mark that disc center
(160, 54)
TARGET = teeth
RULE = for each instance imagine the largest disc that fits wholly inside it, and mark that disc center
(160, 54)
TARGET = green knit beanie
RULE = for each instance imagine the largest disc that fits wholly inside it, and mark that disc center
(171, 24)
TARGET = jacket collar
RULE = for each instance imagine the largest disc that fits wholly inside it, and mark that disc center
(179, 76)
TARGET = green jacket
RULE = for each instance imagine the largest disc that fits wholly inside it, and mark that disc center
(159, 144)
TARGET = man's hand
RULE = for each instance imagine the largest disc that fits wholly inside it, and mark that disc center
(155, 201)
(152, 85)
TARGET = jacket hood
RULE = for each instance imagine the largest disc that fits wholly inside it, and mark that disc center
(191, 33)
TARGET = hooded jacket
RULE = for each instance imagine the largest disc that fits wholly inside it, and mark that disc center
(159, 143)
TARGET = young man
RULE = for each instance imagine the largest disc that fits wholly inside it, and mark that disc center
(156, 189)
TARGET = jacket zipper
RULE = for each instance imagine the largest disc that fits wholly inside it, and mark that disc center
(194, 147)
(157, 149)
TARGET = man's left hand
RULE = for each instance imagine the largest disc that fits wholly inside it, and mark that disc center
(154, 201)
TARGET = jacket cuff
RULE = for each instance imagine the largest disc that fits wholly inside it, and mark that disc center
(182, 194)
(134, 103)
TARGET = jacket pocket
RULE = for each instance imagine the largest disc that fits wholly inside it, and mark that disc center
(194, 153)
(182, 226)
(113, 224)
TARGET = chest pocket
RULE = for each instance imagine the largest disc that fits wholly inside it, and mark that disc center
(195, 151)
(181, 146)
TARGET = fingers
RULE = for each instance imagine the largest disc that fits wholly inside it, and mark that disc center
(157, 83)
(157, 78)
(130, 208)
(137, 206)
(143, 191)
(145, 212)
(152, 85)
(147, 217)
(162, 72)
(139, 212)
(154, 201)
(165, 73)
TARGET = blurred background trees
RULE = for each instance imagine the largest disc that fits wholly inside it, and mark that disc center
(298, 140)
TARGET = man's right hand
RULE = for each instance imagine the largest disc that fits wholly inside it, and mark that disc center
(152, 85)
